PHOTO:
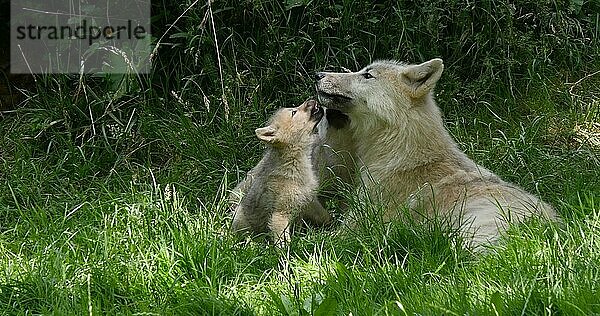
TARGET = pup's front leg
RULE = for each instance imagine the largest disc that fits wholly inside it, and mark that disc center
(240, 222)
(280, 226)
(317, 214)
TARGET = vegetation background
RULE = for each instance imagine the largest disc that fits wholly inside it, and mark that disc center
(112, 188)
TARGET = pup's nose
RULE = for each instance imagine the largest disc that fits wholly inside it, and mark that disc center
(319, 76)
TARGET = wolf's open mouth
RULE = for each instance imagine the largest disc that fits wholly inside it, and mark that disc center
(324, 97)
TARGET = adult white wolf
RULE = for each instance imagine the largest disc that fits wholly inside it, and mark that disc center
(407, 156)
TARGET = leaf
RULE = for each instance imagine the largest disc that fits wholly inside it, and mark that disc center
(308, 305)
(74, 20)
(341, 272)
(497, 303)
(290, 4)
(281, 301)
(287, 304)
(276, 299)
(575, 6)
(311, 302)
(180, 35)
(327, 307)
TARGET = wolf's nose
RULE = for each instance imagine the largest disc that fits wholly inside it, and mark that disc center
(319, 76)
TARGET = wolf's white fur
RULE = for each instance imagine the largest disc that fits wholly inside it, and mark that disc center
(409, 158)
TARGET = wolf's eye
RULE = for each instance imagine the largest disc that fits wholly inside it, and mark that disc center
(367, 75)
(294, 112)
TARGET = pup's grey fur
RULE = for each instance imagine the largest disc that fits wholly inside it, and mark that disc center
(282, 188)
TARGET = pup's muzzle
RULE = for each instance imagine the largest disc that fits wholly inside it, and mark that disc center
(316, 111)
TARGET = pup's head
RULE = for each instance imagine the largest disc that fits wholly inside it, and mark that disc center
(292, 126)
(386, 89)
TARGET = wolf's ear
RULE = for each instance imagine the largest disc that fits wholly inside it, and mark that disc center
(266, 134)
(418, 80)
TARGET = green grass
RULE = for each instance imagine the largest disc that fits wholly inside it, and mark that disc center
(113, 201)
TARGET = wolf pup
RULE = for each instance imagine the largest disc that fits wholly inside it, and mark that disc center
(281, 189)
(408, 157)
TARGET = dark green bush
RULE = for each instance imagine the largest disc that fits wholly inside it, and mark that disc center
(270, 48)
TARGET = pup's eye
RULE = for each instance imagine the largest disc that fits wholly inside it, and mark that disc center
(367, 75)
(294, 112)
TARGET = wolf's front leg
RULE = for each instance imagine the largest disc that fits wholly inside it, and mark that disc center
(280, 226)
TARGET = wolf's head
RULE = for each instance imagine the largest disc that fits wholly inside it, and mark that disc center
(384, 89)
(293, 126)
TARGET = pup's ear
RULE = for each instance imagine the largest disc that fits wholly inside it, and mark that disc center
(266, 134)
(418, 80)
